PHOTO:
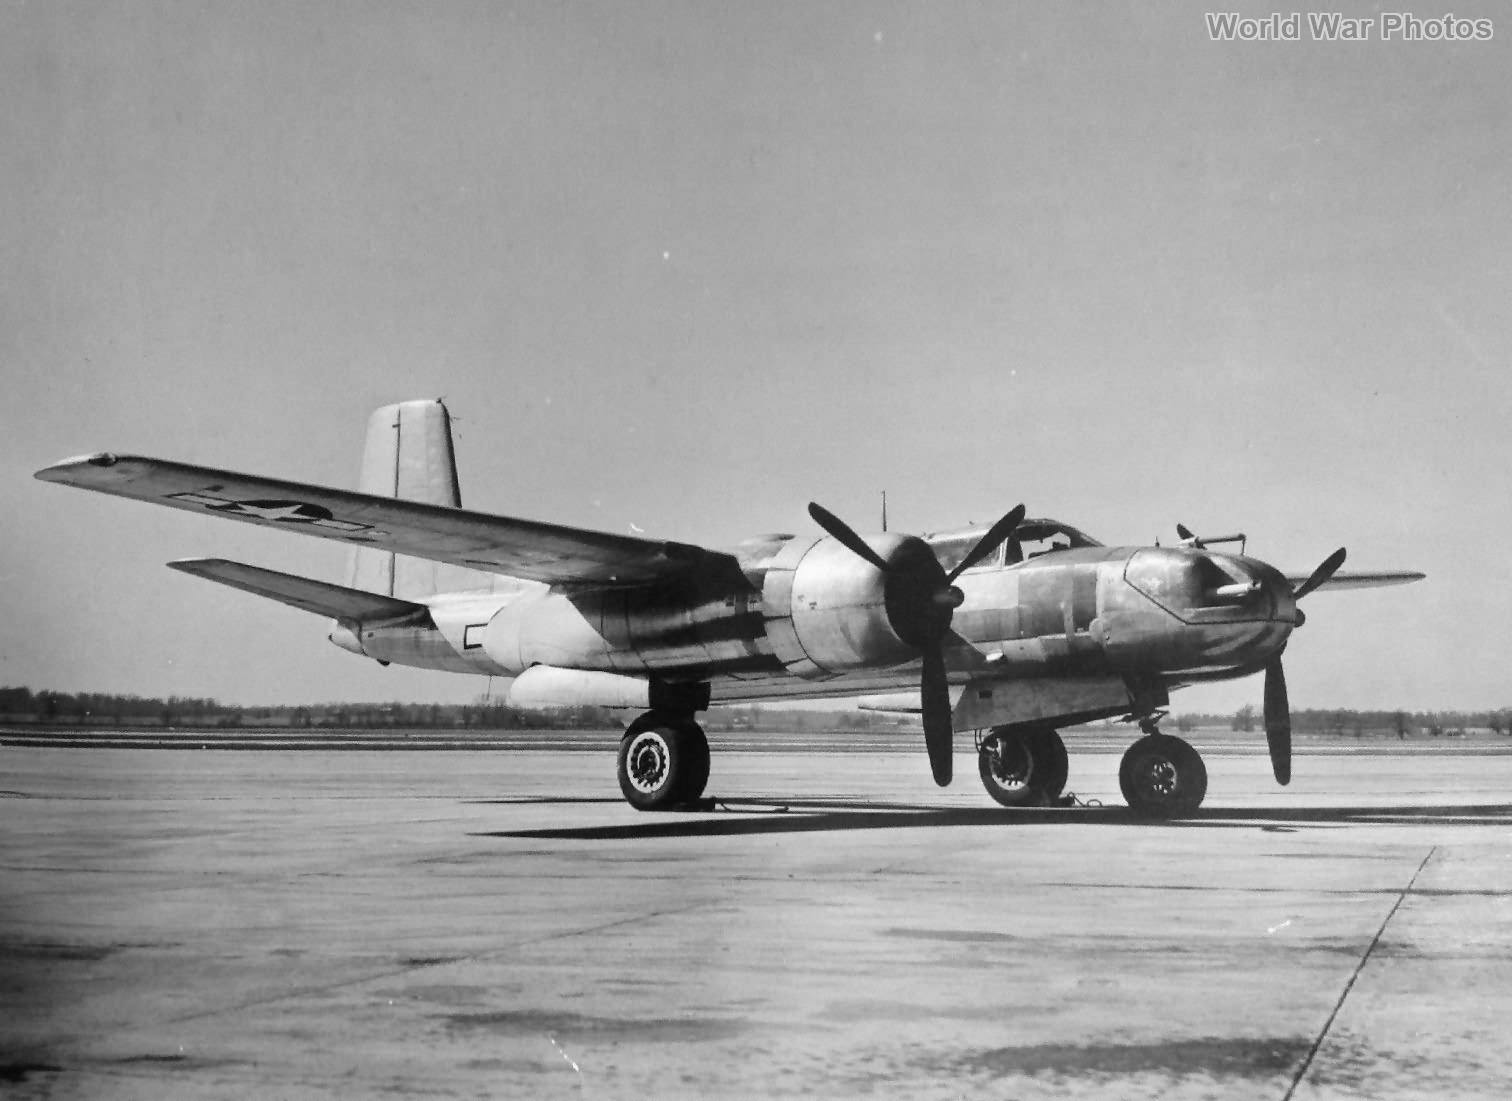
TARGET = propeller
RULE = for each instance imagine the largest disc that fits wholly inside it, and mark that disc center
(1277, 706)
(837, 529)
(1326, 569)
(921, 598)
(1278, 721)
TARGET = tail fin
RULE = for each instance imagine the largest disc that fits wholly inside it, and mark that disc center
(409, 455)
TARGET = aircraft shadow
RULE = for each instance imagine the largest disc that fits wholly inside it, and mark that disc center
(809, 816)
(544, 800)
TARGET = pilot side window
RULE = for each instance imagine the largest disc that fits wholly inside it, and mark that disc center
(951, 551)
(1036, 537)
(1043, 544)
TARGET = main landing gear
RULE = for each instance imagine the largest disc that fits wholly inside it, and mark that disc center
(1162, 776)
(663, 762)
(1023, 766)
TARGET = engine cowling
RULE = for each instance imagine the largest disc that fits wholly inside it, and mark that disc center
(828, 611)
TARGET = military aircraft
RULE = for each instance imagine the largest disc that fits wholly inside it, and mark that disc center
(1013, 631)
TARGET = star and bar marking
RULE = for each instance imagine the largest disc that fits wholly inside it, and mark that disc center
(278, 512)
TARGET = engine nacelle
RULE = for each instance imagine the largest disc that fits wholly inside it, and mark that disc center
(826, 608)
(546, 629)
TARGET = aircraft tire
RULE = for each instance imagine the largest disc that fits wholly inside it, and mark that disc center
(1162, 777)
(696, 747)
(1023, 766)
(1056, 765)
(663, 762)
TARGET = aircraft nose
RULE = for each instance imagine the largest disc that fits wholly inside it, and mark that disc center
(1274, 613)
(1216, 611)
(1283, 605)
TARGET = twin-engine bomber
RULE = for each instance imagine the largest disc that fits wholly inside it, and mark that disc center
(1015, 631)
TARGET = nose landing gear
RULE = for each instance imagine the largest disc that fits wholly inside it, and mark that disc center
(1162, 776)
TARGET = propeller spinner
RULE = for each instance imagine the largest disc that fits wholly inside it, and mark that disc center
(921, 599)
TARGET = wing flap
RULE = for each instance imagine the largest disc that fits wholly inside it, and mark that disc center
(538, 551)
(320, 597)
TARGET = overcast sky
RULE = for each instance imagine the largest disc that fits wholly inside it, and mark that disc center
(689, 266)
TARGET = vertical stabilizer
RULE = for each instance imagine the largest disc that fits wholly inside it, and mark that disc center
(409, 455)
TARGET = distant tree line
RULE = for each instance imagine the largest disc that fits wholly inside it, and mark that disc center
(1342, 722)
(22, 705)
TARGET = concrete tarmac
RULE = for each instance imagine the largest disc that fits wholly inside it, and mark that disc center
(312, 924)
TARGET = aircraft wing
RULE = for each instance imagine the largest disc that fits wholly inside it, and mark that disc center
(320, 597)
(502, 544)
(1362, 579)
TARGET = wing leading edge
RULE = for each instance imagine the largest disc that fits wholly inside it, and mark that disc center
(549, 553)
(1362, 579)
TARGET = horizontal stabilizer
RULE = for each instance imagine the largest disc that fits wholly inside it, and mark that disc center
(1362, 579)
(320, 597)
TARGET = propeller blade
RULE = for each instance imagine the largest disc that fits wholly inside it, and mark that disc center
(934, 691)
(1328, 568)
(988, 543)
(1278, 722)
(842, 534)
(1183, 532)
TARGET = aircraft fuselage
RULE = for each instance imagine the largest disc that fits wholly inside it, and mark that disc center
(807, 608)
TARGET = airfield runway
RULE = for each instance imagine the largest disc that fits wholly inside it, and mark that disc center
(180, 923)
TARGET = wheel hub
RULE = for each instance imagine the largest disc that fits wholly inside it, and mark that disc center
(1012, 764)
(1161, 778)
(647, 762)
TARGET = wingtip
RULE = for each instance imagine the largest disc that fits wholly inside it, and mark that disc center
(195, 565)
(59, 471)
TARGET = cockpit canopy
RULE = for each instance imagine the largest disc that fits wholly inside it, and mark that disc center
(1030, 539)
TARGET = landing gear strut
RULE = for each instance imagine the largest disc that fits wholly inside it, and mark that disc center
(663, 762)
(1162, 776)
(1023, 766)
